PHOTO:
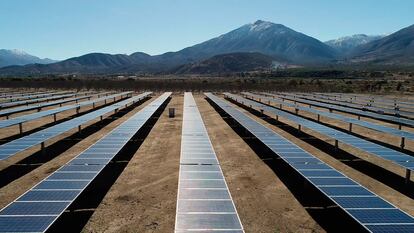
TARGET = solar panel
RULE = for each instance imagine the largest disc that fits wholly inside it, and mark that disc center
(37, 115)
(366, 124)
(21, 144)
(366, 107)
(204, 202)
(38, 208)
(373, 213)
(393, 119)
(28, 96)
(394, 156)
(30, 101)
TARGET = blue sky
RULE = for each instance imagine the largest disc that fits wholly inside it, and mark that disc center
(60, 29)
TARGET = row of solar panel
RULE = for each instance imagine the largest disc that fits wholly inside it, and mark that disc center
(366, 124)
(393, 119)
(380, 110)
(28, 96)
(37, 209)
(37, 115)
(10, 94)
(368, 209)
(397, 157)
(204, 201)
(58, 95)
(10, 111)
(373, 99)
(21, 144)
(390, 107)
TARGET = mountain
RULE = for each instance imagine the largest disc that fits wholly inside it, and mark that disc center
(347, 44)
(230, 63)
(261, 36)
(18, 57)
(394, 49)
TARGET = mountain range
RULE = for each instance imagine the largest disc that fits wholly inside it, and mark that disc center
(258, 45)
(19, 57)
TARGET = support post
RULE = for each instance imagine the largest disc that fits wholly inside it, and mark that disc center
(21, 128)
(101, 117)
(402, 145)
(407, 176)
(319, 117)
(77, 110)
(261, 112)
(79, 128)
(399, 126)
(296, 111)
(42, 148)
(54, 117)
(277, 117)
(350, 127)
(105, 101)
(300, 127)
(7, 117)
(359, 117)
(93, 105)
(336, 144)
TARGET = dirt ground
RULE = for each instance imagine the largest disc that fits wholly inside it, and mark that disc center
(143, 197)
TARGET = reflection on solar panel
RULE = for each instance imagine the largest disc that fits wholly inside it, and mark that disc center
(365, 207)
(38, 208)
(10, 111)
(37, 115)
(30, 101)
(393, 119)
(370, 125)
(397, 157)
(24, 143)
(204, 202)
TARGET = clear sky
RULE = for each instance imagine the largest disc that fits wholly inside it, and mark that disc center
(60, 29)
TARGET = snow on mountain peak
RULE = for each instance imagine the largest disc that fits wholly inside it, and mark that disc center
(260, 25)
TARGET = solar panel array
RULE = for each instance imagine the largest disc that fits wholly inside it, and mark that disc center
(12, 95)
(38, 208)
(373, 99)
(364, 206)
(204, 203)
(24, 143)
(30, 101)
(28, 96)
(376, 109)
(370, 125)
(396, 157)
(393, 119)
(389, 108)
(11, 111)
(37, 115)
